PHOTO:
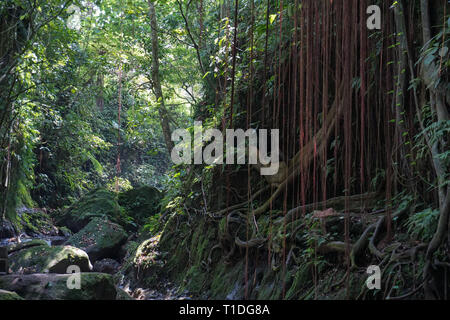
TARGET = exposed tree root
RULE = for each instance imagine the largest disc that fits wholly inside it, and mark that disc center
(304, 156)
(242, 205)
(356, 202)
(361, 244)
(255, 242)
(333, 246)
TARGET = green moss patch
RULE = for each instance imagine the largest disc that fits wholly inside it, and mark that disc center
(141, 203)
(42, 259)
(97, 203)
(100, 238)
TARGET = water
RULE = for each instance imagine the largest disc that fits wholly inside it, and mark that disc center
(51, 240)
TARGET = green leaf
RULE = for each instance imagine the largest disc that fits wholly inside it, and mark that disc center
(272, 18)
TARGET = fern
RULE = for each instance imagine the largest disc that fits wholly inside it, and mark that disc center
(422, 225)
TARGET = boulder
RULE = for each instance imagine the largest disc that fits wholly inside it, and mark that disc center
(100, 238)
(44, 286)
(43, 259)
(97, 203)
(26, 244)
(9, 295)
(141, 203)
(36, 222)
(143, 265)
(107, 265)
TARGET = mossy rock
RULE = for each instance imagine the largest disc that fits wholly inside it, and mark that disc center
(147, 252)
(35, 222)
(141, 203)
(41, 286)
(100, 238)
(43, 259)
(97, 203)
(143, 265)
(9, 295)
(24, 245)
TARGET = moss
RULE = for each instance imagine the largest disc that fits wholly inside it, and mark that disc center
(97, 203)
(302, 280)
(195, 277)
(35, 222)
(141, 203)
(100, 238)
(43, 258)
(93, 286)
(23, 245)
(8, 295)
(227, 279)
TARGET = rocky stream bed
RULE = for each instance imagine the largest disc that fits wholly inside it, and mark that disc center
(97, 235)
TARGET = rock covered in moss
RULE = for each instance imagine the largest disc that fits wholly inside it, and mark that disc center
(41, 286)
(147, 253)
(141, 203)
(46, 259)
(97, 203)
(36, 222)
(27, 244)
(100, 238)
(9, 295)
(142, 264)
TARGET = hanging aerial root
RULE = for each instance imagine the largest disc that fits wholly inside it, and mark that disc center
(305, 156)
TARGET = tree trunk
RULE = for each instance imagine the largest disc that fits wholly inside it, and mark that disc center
(100, 100)
(163, 114)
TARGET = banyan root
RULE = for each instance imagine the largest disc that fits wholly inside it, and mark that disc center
(255, 242)
(244, 204)
(363, 240)
(356, 202)
(333, 246)
(217, 246)
(361, 244)
(372, 246)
